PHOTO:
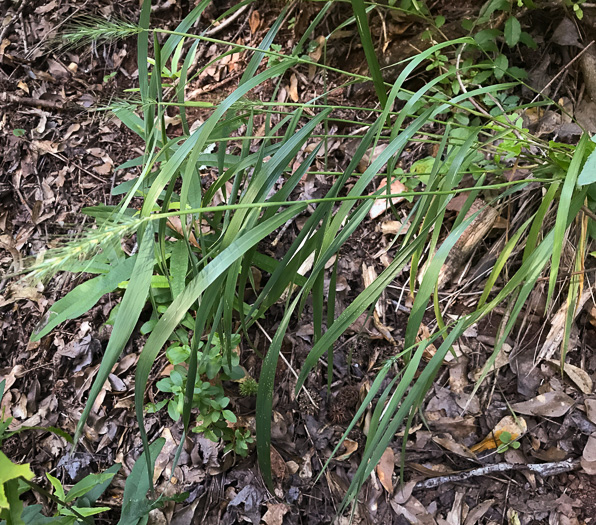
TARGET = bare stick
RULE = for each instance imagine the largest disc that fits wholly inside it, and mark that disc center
(216, 29)
(544, 469)
(562, 71)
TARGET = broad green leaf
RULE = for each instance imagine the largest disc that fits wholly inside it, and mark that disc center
(512, 31)
(11, 506)
(58, 488)
(83, 298)
(588, 173)
(87, 484)
(9, 472)
(501, 65)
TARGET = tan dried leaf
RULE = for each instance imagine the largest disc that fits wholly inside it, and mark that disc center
(254, 21)
(381, 205)
(350, 446)
(579, 377)
(448, 443)
(549, 404)
(46, 146)
(293, 89)
(589, 467)
(589, 453)
(278, 465)
(385, 469)
(275, 513)
(318, 51)
(590, 405)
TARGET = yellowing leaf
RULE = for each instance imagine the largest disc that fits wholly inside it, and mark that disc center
(508, 424)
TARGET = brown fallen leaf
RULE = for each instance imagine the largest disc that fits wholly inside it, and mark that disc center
(508, 424)
(590, 405)
(275, 513)
(589, 467)
(394, 227)
(579, 377)
(254, 21)
(476, 514)
(350, 446)
(448, 443)
(470, 238)
(549, 404)
(385, 469)
(381, 205)
(551, 454)
(278, 465)
(293, 90)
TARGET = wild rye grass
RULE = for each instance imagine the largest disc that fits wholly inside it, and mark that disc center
(206, 276)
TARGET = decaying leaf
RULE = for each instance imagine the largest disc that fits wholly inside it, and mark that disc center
(590, 405)
(254, 21)
(550, 404)
(278, 465)
(551, 454)
(350, 446)
(382, 205)
(468, 241)
(447, 442)
(293, 90)
(589, 453)
(475, 515)
(555, 335)
(413, 512)
(579, 377)
(394, 227)
(385, 469)
(501, 360)
(589, 467)
(275, 513)
(516, 428)
(430, 350)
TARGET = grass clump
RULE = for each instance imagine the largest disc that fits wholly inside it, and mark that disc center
(195, 258)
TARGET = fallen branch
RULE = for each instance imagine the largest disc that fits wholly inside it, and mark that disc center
(9, 98)
(544, 469)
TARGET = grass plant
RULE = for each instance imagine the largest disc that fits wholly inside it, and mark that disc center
(195, 276)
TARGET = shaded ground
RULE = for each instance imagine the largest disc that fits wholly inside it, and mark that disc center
(64, 159)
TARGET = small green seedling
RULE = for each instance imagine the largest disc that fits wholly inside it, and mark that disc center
(507, 442)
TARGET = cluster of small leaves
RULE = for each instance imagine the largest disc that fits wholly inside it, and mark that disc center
(507, 442)
(209, 397)
(489, 40)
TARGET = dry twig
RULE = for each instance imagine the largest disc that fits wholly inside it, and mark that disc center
(544, 469)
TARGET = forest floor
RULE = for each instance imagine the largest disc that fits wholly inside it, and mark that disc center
(58, 157)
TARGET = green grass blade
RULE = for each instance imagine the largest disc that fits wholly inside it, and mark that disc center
(567, 193)
(177, 310)
(369, 50)
(128, 314)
